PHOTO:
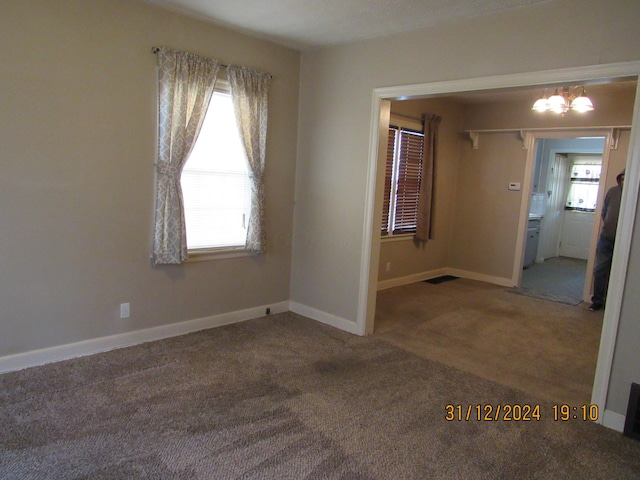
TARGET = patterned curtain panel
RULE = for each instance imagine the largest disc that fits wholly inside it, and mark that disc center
(424, 228)
(249, 92)
(186, 83)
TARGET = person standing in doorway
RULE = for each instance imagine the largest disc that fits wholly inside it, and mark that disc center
(604, 249)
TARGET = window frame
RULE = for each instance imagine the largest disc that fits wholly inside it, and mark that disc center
(591, 181)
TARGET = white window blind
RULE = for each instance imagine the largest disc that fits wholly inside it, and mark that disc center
(403, 173)
(408, 181)
(215, 182)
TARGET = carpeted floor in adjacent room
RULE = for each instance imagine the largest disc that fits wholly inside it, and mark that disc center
(544, 348)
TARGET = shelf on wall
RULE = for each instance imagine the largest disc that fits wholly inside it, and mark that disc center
(474, 135)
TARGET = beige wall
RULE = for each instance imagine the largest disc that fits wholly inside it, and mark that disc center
(78, 137)
(487, 212)
(612, 108)
(626, 362)
(336, 116)
(336, 110)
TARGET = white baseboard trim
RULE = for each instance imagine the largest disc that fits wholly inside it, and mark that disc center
(34, 358)
(324, 317)
(481, 277)
(414, 278)
(613, 420)
(88, 347)
(422, 276)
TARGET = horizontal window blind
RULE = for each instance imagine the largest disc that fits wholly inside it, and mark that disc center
(388, 179)
(403, 173)
(408, 184)
(218, 205)
(215, 182)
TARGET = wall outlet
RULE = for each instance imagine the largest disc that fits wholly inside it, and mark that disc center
(388, 267)
(125, 310)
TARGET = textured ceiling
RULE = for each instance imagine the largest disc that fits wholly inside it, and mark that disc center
(304, 24)
(308, 24)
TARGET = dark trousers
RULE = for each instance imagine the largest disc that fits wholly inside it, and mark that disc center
(601, 270)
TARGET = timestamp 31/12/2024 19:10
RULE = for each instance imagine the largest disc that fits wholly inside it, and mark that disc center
(520, 413)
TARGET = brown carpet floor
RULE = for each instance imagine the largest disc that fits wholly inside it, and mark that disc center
(284, 397)
(540, 347)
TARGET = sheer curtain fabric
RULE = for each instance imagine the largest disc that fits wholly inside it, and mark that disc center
(249, 93)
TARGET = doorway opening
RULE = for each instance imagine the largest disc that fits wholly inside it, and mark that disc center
(599, 74)
(562, 221)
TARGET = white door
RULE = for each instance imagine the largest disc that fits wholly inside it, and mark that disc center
(576, 234)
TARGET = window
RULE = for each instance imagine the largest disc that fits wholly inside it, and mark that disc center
(403, 173)
(583, 190)
(215, 181)
(215, 191)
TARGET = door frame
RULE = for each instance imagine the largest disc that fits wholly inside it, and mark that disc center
(530, 141)
(557, 151)
(374, 192)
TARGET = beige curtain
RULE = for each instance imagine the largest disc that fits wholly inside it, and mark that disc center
(185, 86)
(249, 91)
(424, 228)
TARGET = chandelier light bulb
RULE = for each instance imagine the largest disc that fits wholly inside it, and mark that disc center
(582, 103)
(557, 102)
(562, 101)
(541, 105)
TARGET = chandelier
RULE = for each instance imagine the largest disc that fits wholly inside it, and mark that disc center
(563, 100)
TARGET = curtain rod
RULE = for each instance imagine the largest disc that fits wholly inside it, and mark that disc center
(155, 50)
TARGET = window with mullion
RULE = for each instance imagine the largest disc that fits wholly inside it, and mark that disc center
(402, 181)
(408, 183)
(215, 181)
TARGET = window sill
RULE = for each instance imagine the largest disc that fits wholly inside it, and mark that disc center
(208, 254)
(397, 238)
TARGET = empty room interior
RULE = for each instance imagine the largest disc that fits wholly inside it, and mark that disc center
(411, 313)
(318, 330)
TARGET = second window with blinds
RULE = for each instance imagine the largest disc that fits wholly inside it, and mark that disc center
(403, 172)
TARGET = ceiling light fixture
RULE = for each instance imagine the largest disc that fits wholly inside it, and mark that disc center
(563, 100)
